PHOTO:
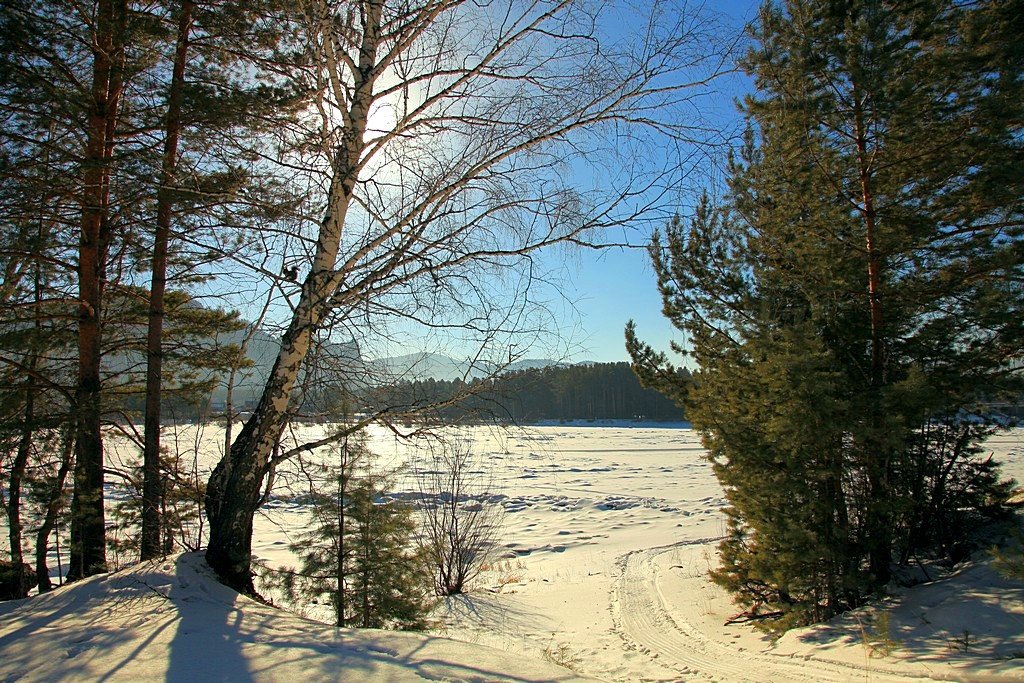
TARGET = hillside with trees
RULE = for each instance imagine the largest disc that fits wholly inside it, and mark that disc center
(597, 391)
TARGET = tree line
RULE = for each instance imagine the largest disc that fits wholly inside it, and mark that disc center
(593, 391)
(345, 173)
(854, 300)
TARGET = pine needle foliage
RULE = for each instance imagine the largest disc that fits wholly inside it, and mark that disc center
(359, 554)
(855, 298)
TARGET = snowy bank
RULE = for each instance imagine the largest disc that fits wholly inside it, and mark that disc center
(172, 621)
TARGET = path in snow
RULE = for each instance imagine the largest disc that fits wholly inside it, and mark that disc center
(644, 621)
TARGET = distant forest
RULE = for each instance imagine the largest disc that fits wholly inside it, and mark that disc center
(599, 391)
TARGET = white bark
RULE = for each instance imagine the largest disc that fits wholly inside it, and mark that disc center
(490, 104)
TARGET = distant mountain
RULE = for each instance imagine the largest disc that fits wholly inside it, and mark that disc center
(263, 349)
(261, 352)
(423, 365)
(535, 363)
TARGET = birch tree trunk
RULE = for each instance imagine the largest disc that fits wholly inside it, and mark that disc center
(234, 490)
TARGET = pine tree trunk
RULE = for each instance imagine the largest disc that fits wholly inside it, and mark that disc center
(20, 463)
(367, 538)
(341, 568)
(879, 517)
(88, 539)
(151, 485)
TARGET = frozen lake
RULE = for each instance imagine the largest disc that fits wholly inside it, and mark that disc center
(608, 535)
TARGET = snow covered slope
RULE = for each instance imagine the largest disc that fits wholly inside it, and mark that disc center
(172, 621)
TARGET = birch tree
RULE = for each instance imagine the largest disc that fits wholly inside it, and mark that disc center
(441, 148)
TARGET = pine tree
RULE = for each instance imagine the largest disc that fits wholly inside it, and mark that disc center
(389, 581)
(856, 292)
(102, 139)
(220, 93)
(359, 552)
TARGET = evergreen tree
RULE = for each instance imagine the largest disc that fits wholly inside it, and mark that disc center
(359, 552)
(859, 289)
(220, 94)
(105, 134)
(596, 391)
(389, 584)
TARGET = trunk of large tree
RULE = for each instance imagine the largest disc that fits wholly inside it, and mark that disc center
(88, 539)
(879, 515)
(234, 490)
(152, 490)
(235, 487)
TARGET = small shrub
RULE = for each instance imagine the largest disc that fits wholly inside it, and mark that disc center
(877, 636)
(1008, 559)
(562, 655)
(15, 584)
(961, 643)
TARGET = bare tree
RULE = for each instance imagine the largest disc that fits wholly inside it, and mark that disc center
(459, 520)
(442, 145)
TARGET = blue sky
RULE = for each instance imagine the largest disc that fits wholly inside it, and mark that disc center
(597, 292)
(616, 285)
(611, 288)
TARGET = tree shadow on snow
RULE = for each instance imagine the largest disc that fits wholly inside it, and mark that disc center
(69, 634)
(210, 632)
(970, 619)
(494, 612)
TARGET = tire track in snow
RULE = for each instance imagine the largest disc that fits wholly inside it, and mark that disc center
(642, 620)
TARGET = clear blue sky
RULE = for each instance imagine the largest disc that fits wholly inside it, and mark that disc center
(616, 285)
(611, 288)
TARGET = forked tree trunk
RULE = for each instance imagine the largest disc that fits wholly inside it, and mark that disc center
(152, 490)
(18, 468)
(235, 487)
(88, 539)
(19, 465)
(53, 505)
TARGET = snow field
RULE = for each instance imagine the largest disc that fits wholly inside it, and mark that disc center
(608, 534)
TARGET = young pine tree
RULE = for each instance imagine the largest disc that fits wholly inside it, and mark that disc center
(359, 551)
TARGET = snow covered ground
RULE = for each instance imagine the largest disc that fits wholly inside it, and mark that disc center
(609, 532)
(172, 621)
